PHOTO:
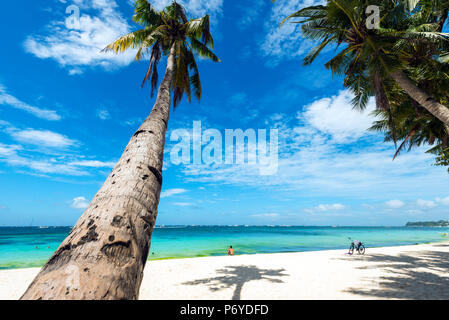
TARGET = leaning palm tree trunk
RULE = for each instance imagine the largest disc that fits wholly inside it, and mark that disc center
(104, 255)
(434, 107)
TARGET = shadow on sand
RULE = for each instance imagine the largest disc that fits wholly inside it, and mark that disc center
(237, 276)
(411, 275)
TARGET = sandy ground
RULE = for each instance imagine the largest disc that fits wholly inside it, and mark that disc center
(406, 272)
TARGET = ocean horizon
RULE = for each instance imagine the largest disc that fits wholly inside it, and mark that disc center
(24, 247)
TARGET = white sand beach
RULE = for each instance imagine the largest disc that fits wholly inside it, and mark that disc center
(404, 272)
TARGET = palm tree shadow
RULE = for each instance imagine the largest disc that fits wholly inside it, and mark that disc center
(412, 275)
(237, 276)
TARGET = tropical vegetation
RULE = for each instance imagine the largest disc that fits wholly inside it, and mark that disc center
(402, 62)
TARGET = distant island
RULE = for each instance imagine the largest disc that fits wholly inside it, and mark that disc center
(441, 223)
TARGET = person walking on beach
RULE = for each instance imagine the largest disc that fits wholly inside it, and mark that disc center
(230, 251)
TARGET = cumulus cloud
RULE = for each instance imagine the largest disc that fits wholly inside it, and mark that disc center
(395, 204)
(172, 192)
(426, 203)
(331, 158)
(100, 23)
(336, 117)
(309, 163)
(8, 99)
(444, 201)
(80, 203)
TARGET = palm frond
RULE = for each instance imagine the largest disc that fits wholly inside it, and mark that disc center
(200, 30)
(202, 50)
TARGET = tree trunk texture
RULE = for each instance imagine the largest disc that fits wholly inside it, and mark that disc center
(104, 255)
(434, 107)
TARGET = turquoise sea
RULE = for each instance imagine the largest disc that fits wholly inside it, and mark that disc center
(22, 247)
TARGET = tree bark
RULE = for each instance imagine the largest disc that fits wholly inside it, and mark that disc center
(104, 255)
(434, 107)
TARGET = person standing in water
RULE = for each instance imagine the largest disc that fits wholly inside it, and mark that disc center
(230, 251)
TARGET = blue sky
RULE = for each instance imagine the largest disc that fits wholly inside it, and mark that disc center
(67, 111)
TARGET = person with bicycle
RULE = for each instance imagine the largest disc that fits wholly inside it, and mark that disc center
(357, 245)
(354, 245)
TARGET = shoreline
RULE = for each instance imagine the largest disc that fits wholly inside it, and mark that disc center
(245, 254)
(396, 272)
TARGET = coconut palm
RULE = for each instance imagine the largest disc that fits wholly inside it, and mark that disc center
(406, 120)
(104, 255)
(373, 59)
(413, 126)
(443, 158)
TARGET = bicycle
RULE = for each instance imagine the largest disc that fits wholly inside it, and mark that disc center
(360, 248)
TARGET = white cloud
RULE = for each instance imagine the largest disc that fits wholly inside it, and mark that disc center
(46, 166)
(8, 150)
(17, 156)
(444, 201)
(425, 203)
(103, 114)
(44, 138)
(394, 204)
(325, 208)
(172, 192)
(313, 164)
(9, 154)
(285, 42)
(133, 121)
(7, 99)
(80, 203)
(266, 215)
(182, 204)
(100, 23)
(328, 207)
(336, 117)
(194, 8)
(93, 164)
(75, 49)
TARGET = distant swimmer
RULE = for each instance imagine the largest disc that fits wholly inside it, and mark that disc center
(230, 251)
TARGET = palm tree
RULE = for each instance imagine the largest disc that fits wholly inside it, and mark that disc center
(413, 125)
(443, 158)
(405, 119)
(105, 253)
(373, 57)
